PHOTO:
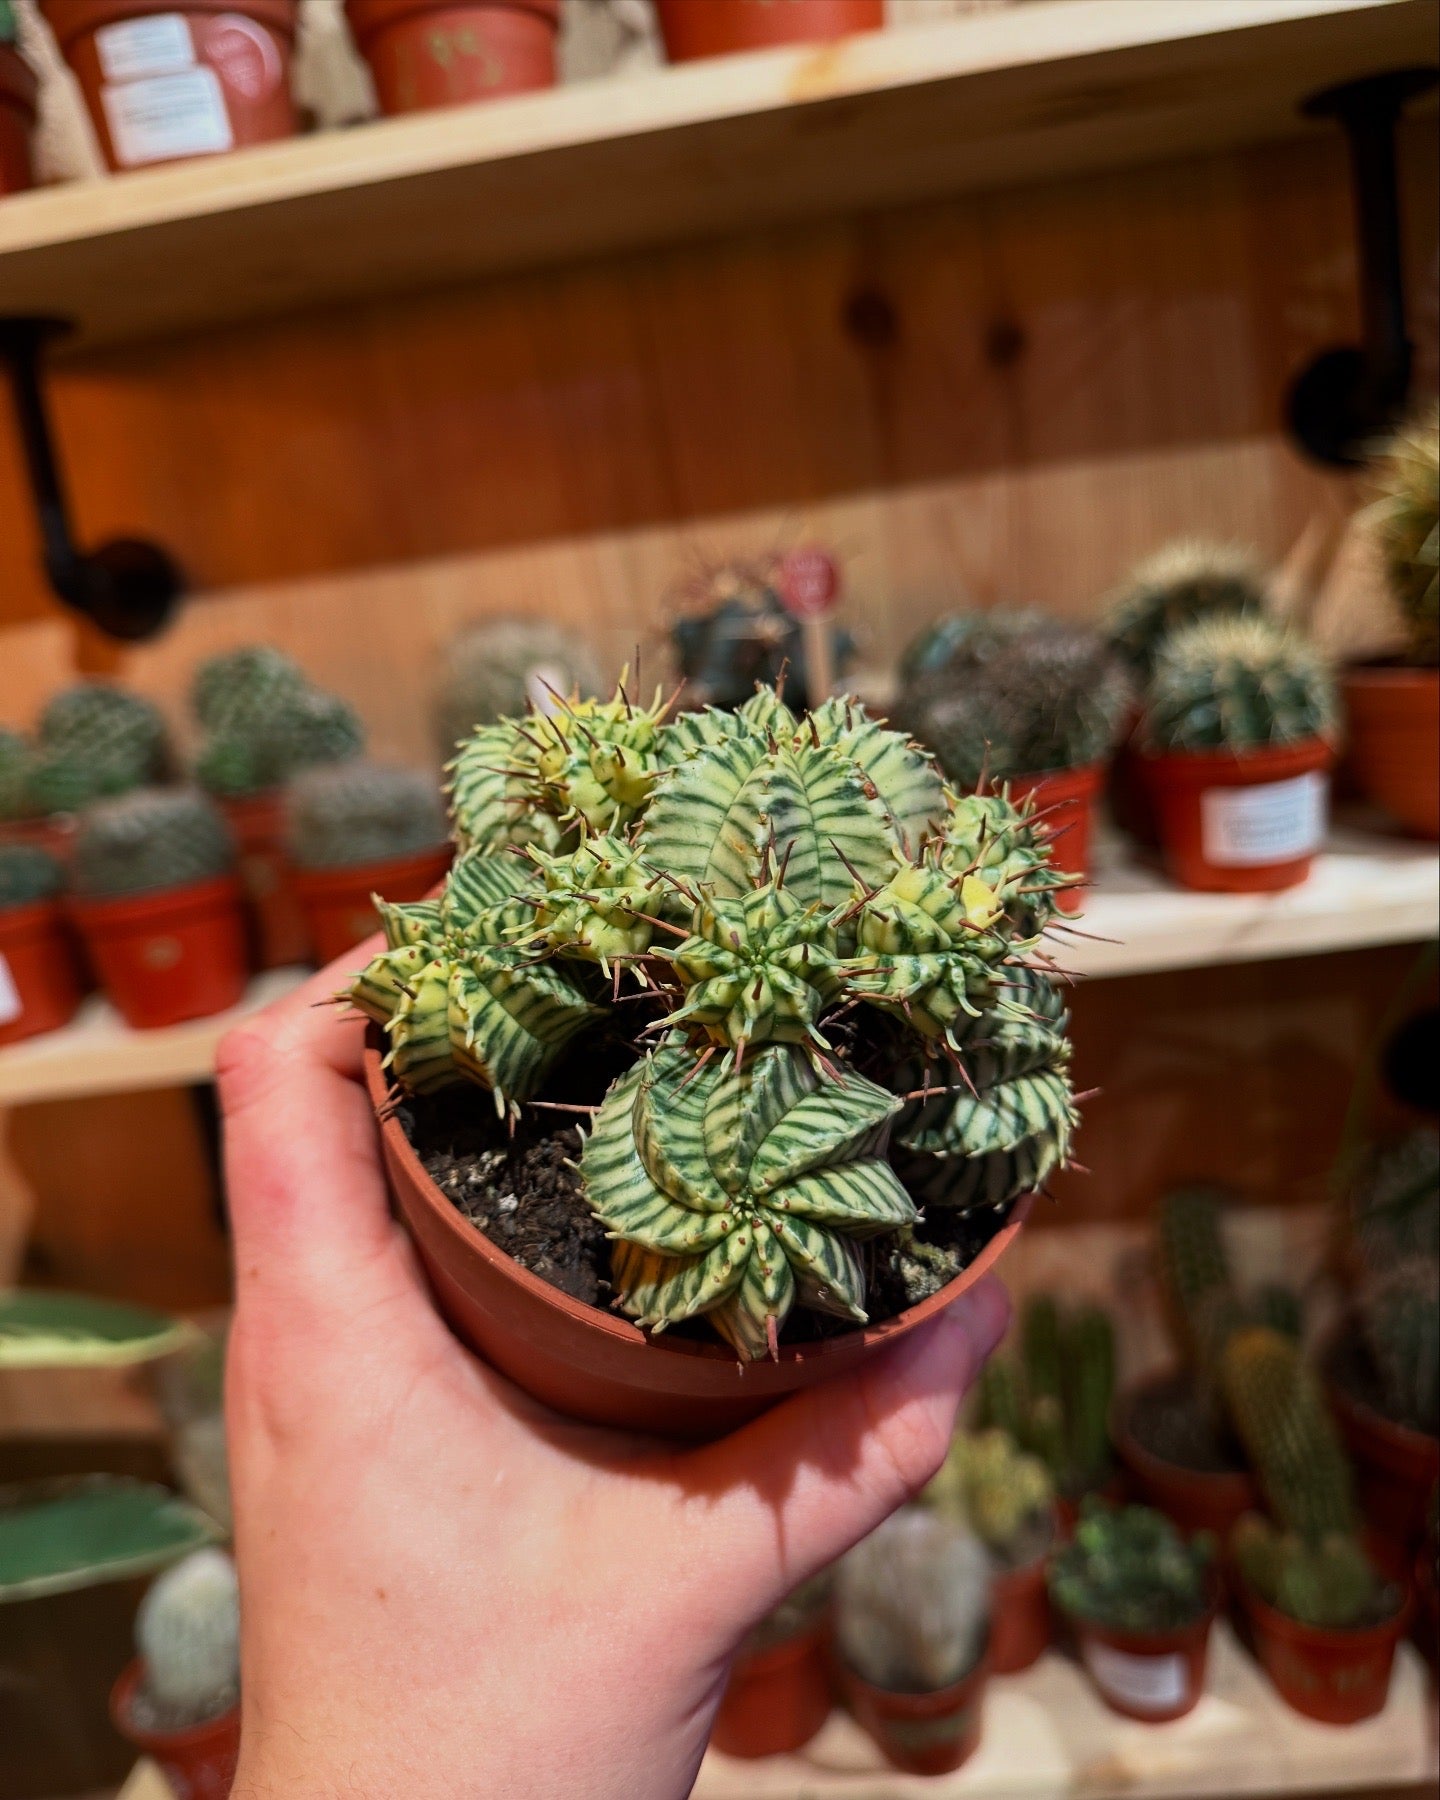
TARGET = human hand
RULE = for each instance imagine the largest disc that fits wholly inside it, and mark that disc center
(446, 1590)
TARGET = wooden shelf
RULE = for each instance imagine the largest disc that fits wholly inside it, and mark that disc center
(1047, 90)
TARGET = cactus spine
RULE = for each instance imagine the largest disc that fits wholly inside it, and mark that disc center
(153, 839)
(912, 1603)
(1237, 685)
(1407, 517)
(1182, 583)
(188, 1633)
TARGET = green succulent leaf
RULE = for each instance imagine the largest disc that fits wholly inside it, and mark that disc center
(43, 1329)
(58, 1536)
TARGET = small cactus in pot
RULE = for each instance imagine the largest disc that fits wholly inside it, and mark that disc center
(148, 842)
(39, 980)
(94, 740)
(1180, 585)
(1406, 520)
(499, 668)
(1237, 685)
(263, 722)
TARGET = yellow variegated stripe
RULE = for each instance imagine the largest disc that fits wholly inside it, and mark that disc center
(859, 1198)
(819, 1127)
(661, 1290)
(507, 1024)
(420, 1035)
(415, 922)
(767, 1291)
(905, 778)
(380, 986)
(671, 1133)
(480, 880)
(827, 1269)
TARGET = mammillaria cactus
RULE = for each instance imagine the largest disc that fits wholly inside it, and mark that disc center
(912, 1603)
(188, 1633)
(28, 875)
(153, 839)
(500, 667)
(1129, 1569)
(1407, 518)
(1279, 1410)
(345, 814)
(1002, 1492)
(1181, 584)
(1237, 685)
(754, 876)
(1327, 1583)
(1054, 1398)
(94, 740)
(264, 723)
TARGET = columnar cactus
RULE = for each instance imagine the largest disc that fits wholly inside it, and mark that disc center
(912, 1603)
(1328, 1583)
(1280, 1413)
(28, 875)
(344, 814)
(1407, 517)
(188, 1634)
(153, 839)
(1237, 685)
(1053, 1397)
(1129, 1568)
(93, 741)
(777, 890)
(1181, 584)
(1197, 1274)
(263, 723)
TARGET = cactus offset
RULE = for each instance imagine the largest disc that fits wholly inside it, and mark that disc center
(1185, 582)
(1238, 685)
(1407, 519)
(912, 1603)
(148, 841)
(1129, 1568)
(496, 669)
(1327, 1583)
(345, 814)
(28, 875)
(1278, 1409)
(1003, 1493)
(94, 741)
(188, 1633)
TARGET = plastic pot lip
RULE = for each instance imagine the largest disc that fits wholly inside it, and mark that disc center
(1082, 782)
(1144, 1461)
(19, 84)
(804, 1642)
(925, 1705)
(1386, 676)
(72, 19)
(1203, 768)
(211, 895)
(366, 17)
(1403, 1443)
(610, 1325)
(31, 919)
(367, 875)
(1350, 1637)
(197, 1737)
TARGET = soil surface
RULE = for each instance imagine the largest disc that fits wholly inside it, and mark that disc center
(1169, 1421)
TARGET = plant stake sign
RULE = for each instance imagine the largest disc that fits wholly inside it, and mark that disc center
(809, 587)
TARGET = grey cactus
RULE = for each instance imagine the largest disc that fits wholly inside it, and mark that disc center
(94, 740)
(263, 723)
(912, 1603)
(28, 875)
(188, 1634)
(501, 667)
(349, 813)
(1238, 684)
(1182, 583)
(153, 839)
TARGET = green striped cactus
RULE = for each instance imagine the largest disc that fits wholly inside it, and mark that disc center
(1238, 685)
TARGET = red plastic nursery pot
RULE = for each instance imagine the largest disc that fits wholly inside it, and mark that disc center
(924, 1734)
(425, 53)
(1396, 1470)
(1241, 824)
(1150, 1675)
(39, 980)
(18, 88)
(776, 1700)
(694, 28)
(1021, 1625)
(338, 908)
(199, 1763)
(161, 958)
(1067, 799)
(1393, 719)
(278, 928)
(1338, 1677)
(592, 1364)
(194, 78)
(1194, 1499)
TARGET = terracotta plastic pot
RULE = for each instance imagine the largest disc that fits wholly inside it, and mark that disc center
(1149, 1675)
(1393, 720)
(199, 1763)
(1338, 1677)
(40, 985)
(1020, 1622)
(1396, 1468)
(1241, 824)
(1427, 1608)
(18, 88)
(777, 1700)
(338, 906)
(162, 958)
(591, 1364)
(1193, 1499)
(924, 1734)
(1067, 798)
(279, 933)
(425, 53)
(57, 834)
(193, 78)
(694, 28)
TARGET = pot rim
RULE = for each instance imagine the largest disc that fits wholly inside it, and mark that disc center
(1080, 781)
(1195, 767)
(1133, 1452)
(1352, 1637)
(359, 13)
(32, 918)
(71, 22)
(200, 1736)
(612, 1325)
(121, 909)
(19, 84)
(1405, 1440)
(1384, 673)
(317, 882)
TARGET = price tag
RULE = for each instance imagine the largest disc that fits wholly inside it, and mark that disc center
(1276, 821)
(1147, 1683)
(809, 583)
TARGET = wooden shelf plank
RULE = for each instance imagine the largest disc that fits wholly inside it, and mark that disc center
(1051, 89)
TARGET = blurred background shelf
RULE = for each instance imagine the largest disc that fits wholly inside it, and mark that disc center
(1054, 89)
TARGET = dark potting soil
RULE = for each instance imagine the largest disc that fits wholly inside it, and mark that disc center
(1169, 1421)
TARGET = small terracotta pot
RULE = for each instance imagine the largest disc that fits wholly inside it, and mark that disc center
(1427, 1606)
(694, 28)
(1193, 1499)
(591, 1364)
(338, 904)
(164, 82)
(1021, 1625)
(18, 88)
(279, 933)
(55, 835)
(40, 984)
(1149, 1675)
(1067, 798)
(427, 53)
(777, 1700)
(924, 1734)
(162, 958)
(1393, 719)
(1241, 824)
(1338, 1677)
(199, 1763)
(1396, 1468)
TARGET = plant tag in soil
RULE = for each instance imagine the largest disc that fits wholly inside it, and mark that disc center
(1148, 1683)
(134, 48)
(167, 115)
(10, 1003)
(1277, 821)
(809, 583)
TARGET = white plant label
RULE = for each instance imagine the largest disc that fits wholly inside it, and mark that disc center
(10, 1006)
(168, 115)
(134, 48)
(1274, 822)
(1148, 1683)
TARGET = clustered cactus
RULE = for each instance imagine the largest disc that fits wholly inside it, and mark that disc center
(263, 722)
(833, 954)
(28, 875)
(153, 839)
(1180, 585)
(1237, 685)
(1016, 693)
(344, 814)
(1395, 1213)
(188, 1634)
(912, 1603)
(1053, 1397)
(1129, 1569)
(500, 667)
(1407, 517)
(93, 741)
(1326, 1582)
(735, 633)
(1004, 1494)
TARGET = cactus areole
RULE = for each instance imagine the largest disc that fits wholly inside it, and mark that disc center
(834, 1033)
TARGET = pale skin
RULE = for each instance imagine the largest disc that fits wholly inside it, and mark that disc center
(447, 1592)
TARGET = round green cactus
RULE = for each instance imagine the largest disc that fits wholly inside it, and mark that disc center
(1238, 685)
(14, 775)
(1181, 584)
(1130, 1569)
(501, 667)
(236, 692)
(153, 839)
(264, 723)
(94, 741)
(344, 814)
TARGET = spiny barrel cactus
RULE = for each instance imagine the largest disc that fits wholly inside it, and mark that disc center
(1327, 1583)
(912, 1603)
(1053, 1397)
(501, 667)
(1181, 584)
(1407, 518)
(94, 740)
(1129, 1568)
(153, 839)
(263, 722)
(778, 889)
(188, 1634)
(1279, 1410)
(1002, 1492)
(1238, 685)
(345, 814)
(28, 875)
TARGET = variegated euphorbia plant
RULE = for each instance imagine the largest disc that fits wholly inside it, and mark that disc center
(759, 883)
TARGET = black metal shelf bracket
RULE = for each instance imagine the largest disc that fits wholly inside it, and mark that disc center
(1350, 398)
(126, 587)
